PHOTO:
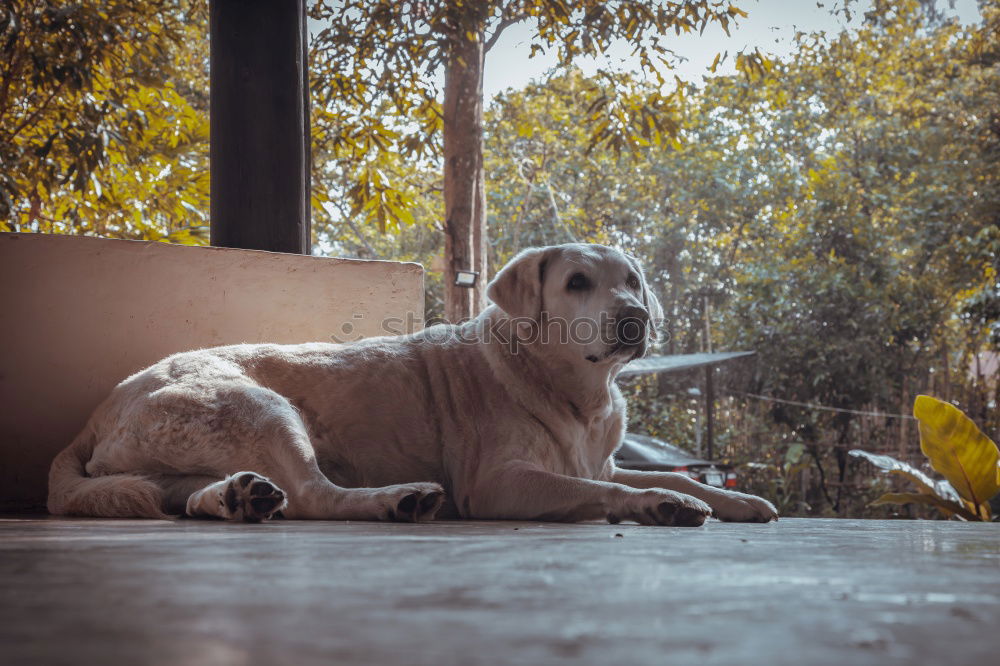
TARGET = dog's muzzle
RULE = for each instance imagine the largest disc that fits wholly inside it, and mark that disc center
(631, 328)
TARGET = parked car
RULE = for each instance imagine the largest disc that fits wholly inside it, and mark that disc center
(641, 452)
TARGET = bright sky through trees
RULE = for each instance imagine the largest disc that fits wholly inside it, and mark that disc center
(770, 26)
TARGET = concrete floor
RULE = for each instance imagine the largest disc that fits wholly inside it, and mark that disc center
(794, 592)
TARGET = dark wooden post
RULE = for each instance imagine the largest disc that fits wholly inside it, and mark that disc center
(260, 158)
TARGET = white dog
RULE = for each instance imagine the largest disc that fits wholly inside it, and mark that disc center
(513, 415)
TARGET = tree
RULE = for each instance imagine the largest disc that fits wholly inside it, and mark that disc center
(883, 143)
(374, 58)
(104, 118)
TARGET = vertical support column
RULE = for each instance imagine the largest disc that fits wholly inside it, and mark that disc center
(260, 144)
(709, 381)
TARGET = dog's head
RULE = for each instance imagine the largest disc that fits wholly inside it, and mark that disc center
(590, 302)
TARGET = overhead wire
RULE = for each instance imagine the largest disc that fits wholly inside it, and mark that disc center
(825, 408)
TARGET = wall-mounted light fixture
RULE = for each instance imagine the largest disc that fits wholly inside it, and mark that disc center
(466, 279)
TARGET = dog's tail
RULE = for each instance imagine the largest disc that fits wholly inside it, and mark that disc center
(73, 493)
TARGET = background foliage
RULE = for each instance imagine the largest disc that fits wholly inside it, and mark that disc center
(837, 210)
(104, 118)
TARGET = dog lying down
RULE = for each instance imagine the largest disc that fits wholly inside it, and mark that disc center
(513, 415)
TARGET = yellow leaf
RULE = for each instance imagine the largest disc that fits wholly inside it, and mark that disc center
(958, 449)
(923, 498)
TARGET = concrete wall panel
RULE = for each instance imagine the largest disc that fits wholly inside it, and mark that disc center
(79, 314)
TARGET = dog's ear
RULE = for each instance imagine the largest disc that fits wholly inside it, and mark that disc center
(649, 299)
(517, 288)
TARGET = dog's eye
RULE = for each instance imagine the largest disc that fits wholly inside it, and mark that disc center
(632, 282)
(578, 282)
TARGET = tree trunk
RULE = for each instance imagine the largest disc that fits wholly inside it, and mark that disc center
(903, 449)
(464, 180)
(946, 369)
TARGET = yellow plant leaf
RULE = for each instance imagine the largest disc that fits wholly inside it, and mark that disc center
(923, 498)
(957, 449)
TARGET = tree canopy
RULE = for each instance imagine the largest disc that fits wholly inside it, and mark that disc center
(104, 118)
(374, 67)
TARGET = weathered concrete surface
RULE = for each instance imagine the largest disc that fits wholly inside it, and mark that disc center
(795, 592)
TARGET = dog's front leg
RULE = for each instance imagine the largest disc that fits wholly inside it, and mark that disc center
(522, 491)
(726, 504)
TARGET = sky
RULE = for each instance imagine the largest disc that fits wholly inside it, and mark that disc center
(770, 26)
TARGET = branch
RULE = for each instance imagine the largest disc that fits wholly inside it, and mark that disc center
(13, 64)
(520, 217)
(505, 23)
(811, 448)
(555, 213)
(364, 241)
(346, 217)
(34, 116)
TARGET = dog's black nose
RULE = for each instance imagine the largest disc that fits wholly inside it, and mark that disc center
(630, 327)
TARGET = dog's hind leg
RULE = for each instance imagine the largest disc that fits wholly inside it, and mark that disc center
(242, 496)
(312, 496)
(250, 428)
(251, 497)
(245, 496)
(279, 448)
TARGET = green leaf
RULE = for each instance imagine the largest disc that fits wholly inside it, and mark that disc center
(926, 484)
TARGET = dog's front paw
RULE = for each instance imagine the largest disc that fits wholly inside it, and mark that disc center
(411, 502)
(742, 508)
(662, 507)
